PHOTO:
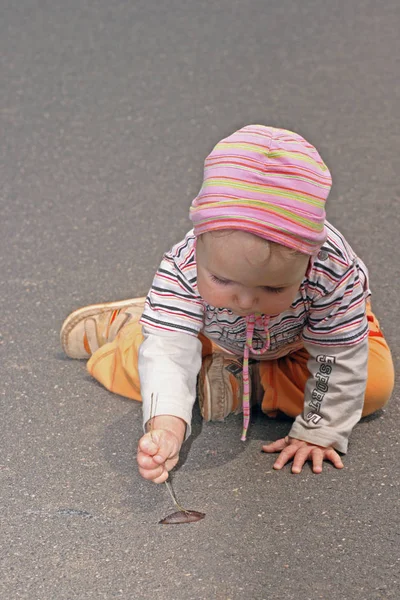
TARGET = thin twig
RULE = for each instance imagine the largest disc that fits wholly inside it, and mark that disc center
(153, 408)
(172, 493)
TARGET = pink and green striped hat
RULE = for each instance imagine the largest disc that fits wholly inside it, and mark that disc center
(266, 181)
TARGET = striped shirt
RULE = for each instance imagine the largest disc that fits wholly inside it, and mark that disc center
(328, 310)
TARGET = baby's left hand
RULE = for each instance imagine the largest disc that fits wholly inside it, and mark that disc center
(300, 452)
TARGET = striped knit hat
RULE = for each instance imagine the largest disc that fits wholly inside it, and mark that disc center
(266, 181)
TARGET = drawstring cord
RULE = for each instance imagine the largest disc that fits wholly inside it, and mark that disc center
(251, 321)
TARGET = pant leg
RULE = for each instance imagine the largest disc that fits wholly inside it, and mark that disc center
(115, 365)
(284, 379)
(380, 381)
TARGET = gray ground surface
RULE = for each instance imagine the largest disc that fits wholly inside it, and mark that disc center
(107, 112)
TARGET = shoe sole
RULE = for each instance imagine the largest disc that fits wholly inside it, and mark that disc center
(217, 402)
(90, 311)
(206, 398)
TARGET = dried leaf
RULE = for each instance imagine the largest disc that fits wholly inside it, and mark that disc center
(182, 516)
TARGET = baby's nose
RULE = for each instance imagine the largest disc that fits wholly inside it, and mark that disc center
(245, 301)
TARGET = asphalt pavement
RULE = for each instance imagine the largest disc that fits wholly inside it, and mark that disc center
(108, 110)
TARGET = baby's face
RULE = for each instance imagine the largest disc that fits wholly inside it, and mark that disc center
(242, 272)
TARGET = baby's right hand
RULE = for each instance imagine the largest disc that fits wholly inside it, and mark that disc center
(158, 452)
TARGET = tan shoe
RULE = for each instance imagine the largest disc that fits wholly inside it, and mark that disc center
(88, 328)
(220, 386)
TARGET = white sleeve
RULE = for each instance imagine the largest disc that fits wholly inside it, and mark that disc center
(169, 363)
(334, 394)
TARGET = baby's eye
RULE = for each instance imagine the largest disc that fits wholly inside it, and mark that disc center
(219, 281)
(273, 290)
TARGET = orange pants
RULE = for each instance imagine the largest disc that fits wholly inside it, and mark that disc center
(115, 365)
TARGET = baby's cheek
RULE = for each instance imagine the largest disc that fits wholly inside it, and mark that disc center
(211, 295)
(214, 298)
(275, 305)
(220, 299)
(202, 288)
(205, 291)
(284, 303)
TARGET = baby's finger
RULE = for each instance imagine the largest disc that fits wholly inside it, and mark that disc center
(148, 444)
(145, 461)
(284, 457)
(333, 456)
(163, 477)
(317, 455)
(152, 474)
(276, 446)
(300, 458)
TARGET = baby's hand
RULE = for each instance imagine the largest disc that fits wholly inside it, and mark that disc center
(158, 450)
(302, 451)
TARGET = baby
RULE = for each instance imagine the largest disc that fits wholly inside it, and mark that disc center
(262, 302)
